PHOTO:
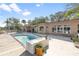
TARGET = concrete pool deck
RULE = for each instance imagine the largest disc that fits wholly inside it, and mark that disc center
(9, 46)
(58, 46)
(61, 46)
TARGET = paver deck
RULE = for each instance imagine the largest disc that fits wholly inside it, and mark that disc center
(9, 46)
(61, 46)
(58, 46)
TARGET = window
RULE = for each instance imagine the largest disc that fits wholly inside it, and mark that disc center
(78, 28)
(46, 26)
(46, 29)
(53, 29)
(59, 28)
(66, 29)
(41, 28)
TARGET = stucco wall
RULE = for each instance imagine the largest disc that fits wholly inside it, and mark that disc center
(72, 23)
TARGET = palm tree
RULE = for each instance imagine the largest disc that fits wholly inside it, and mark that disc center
(16, 24)
(52, 17)
(47, 19)
(8, 23)
(57, 16)
(29, 21)
(12, 23)
(40, 19)
(24, 23)
(73, 10)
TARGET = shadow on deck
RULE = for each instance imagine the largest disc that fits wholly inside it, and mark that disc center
(63, 37)
(60, 38)
(26, 53)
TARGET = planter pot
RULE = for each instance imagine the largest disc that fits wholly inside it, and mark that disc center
(76, 44)
(39, 51)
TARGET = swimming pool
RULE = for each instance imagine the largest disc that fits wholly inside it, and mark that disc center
(23, 38)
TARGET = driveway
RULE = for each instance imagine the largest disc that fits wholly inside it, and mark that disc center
(61, 46)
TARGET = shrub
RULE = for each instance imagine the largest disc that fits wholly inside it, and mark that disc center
(75, 38)
(38, 46)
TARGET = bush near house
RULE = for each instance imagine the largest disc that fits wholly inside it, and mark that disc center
(1, 30)
(75, 39)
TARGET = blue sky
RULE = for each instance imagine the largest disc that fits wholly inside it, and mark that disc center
(28, 11)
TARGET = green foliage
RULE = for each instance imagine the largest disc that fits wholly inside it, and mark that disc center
(75, 38)
(38, 20)
(69, 12)
(52, 17)
(24, 21)
(38, 45)
(18, 28)
(29, 21)
(12, 23)
(61, 15)
(73, 9)
(77, 14)
(57, 16)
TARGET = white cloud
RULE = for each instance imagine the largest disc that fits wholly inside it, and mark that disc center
(26, 13)
(38, 5)
(2, 24)
(15, 7)
(10, 7)
(5, 7)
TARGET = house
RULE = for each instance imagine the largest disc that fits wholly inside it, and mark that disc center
(59, 27)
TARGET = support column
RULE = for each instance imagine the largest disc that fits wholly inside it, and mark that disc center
(63, 28)
(56, 29)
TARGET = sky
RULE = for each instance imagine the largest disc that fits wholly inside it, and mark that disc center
(28, 11)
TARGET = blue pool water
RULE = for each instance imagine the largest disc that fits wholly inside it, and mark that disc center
(26, 37)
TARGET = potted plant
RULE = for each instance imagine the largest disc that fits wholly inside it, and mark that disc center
(75, 39)
(39, 50)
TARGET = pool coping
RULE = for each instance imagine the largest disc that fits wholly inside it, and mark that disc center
(24, 46)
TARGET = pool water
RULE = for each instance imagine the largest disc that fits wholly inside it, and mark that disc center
(24, 38)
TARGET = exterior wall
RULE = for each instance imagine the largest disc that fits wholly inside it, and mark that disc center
(45, 28)
(42, 31)
(36, 29)
(29, 28)
(73, 24)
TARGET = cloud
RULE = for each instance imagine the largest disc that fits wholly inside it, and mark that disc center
(26, 13)
(15, 7)
(10, 7)
(2, 22)
(38, 5)
(5, 7)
